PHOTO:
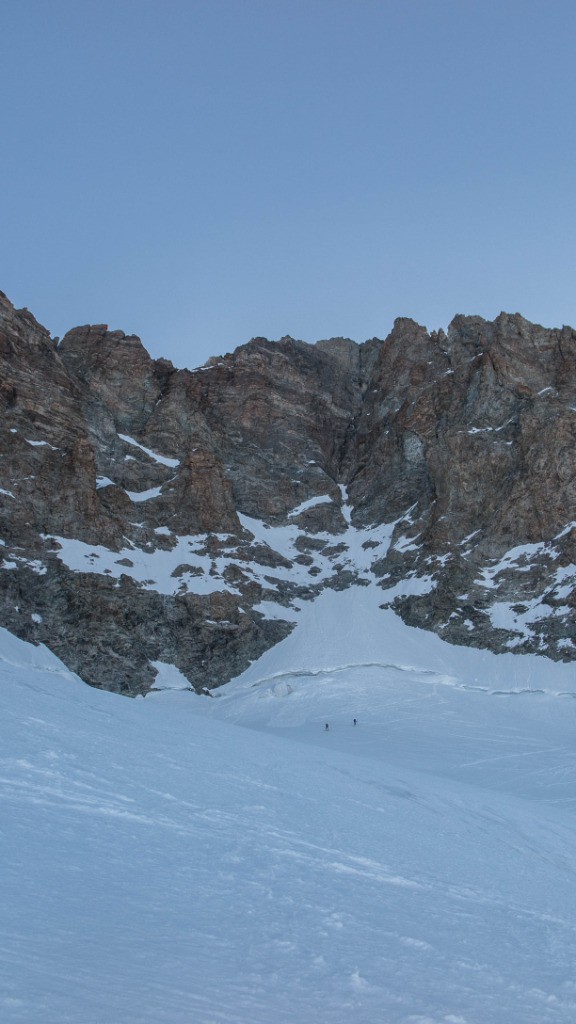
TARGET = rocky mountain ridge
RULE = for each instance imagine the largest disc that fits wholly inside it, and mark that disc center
(153, 515)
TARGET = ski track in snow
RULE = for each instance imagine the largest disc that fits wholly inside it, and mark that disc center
(164, 865)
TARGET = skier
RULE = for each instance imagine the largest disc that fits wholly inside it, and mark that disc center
(326, 727)
(354, 721)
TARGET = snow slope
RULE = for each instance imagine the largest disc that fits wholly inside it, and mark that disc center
(162, 863)
(505, 721)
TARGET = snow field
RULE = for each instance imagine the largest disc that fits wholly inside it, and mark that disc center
(161, 865)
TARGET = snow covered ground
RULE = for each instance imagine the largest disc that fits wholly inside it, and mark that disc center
(190, 860)
(506, 722)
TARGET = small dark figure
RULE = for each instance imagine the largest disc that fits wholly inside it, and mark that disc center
(326, 727)
(354, 721)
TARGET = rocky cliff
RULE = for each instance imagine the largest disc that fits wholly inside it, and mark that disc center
(153, 515)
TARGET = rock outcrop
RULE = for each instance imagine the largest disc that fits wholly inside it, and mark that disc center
(149, 514)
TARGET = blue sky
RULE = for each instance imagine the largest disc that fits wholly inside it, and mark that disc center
(202, 172)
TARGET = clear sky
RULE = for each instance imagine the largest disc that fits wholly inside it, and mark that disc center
(202, 171)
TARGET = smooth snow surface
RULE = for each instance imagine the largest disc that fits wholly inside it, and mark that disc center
(162, 459)
(164, 865)
(322, 499)
(152, 492)
(503, 721)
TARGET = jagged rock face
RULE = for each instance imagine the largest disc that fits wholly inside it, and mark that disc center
(149, 514)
